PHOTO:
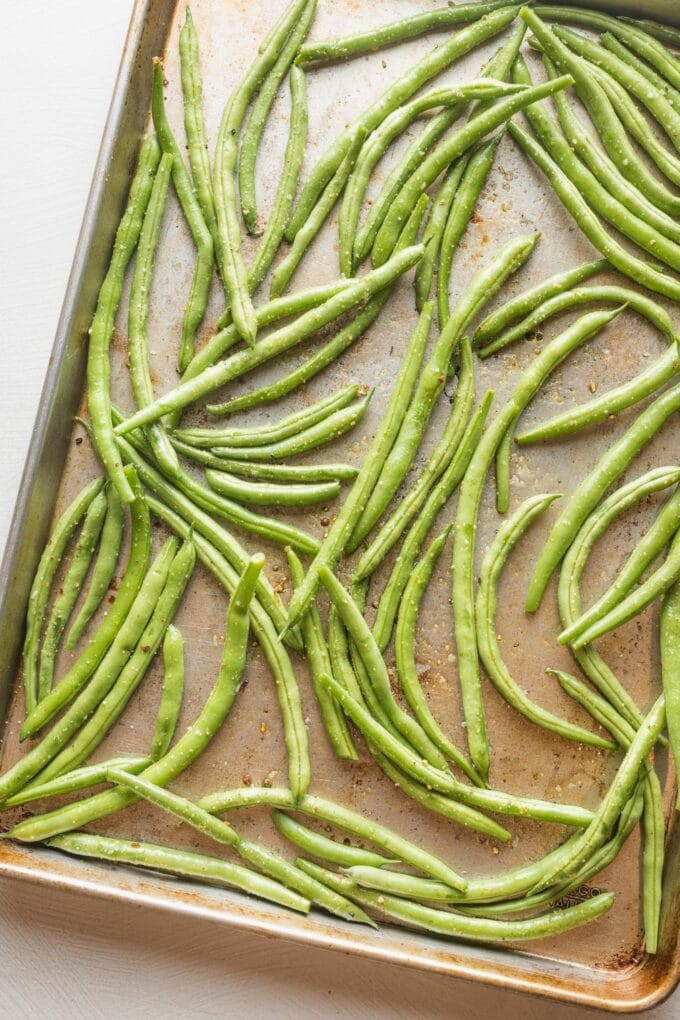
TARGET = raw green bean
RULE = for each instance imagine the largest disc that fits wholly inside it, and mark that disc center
(499, 68)
(636, 301)
(573, 565)
(466, 524)
(525, 303)
(465, 199)
(665, 33)
(200, 284)
(434, 229)
(288, 182)
(451, 148)
(104, 566)
(326, 431)
(588, 494)
(456, 925)
(101, 330)
(575, 203)
(276, 343)
(224, 183)
(79, 779)
(628, 55)
(138, 315)
(316, 650)
(317, 217)
(257, 118)
(192, 743)
(270, 494)
(341, 530)
(194, 122)
(69, 590)
(42, 584)
(447, 446)
(272, 432)
(338, 649)
(378, 678)
(669, 640)
(270, 863)
(326, 849)
(398, 93)
(604, 113)
(180, 862)
(294, 473)
(344, 818)
(405, 652)
(171, 694)
(653, 542)
(619, 792)
(399, 883)
(484, 284)
(485, 615)
(394, 591)
(440, 18)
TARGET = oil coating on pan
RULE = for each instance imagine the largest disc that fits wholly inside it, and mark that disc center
(603, 964)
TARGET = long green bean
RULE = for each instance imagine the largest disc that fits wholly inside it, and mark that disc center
(104, 566)
(296, 474)
(434, 229)
(665, 33)
(194, 122)
(269, 493)
(171, 694)
(669, 641)
(627, 54)
(326, 849)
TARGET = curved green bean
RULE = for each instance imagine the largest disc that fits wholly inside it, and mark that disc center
(434, 229)
(669, 641)
(665, 33)
(194, 123)
(172, 692)
(104, 566)
(326, 849)
(83, 778)
(200, 284)
(271, 494)
(627, 54)
(300, 474)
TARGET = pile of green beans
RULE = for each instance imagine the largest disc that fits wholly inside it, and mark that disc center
(359, 593)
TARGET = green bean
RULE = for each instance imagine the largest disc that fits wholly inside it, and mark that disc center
(69, 590)
(626, 75)
(525, 303)
(200, 284)
(316, 650)
(171, 694)
(575, 203)
(618, 793)
(397, 31)
(484, 284)
(669, 639)
(466, 523)
(378, 678)
(317, 217)
(42, 583)
(101, 330)
(398, 93)
(180, 862)
(138, 315)
(452, 436)
(568, 595)
(104, 566)
(341, 530)
(302, 474)
(270, 494)
(489, 651)
(276, 343)
(399, 883)
(599, 197)
(271, 432)
(395, 588)
(79, 779)
(224, 183)
(272, 864)
(474, 178)
(194, 123)
(665, 33)
(190, 745)
(588, 494)
(98, 646)
(640, 303)
(405, 649)
(651, 545)
(252, 132)
(326, 431)
(498, 67)
(628, 55)
(451, 148)
(604, 113)
(455, 925)
(434, 229)
(326, 849)
(288, 182)
(344, 818)
(126, 683)
(338, 649)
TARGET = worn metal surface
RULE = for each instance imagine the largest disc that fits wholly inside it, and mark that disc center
(602, 964)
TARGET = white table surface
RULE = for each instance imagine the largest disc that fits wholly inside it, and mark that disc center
(61, 953)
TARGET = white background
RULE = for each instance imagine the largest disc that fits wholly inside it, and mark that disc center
(63, 954)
